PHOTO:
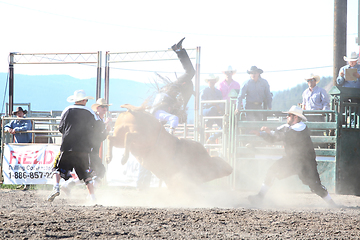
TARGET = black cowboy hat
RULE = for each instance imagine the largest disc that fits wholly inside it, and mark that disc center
(19, 109)
(255, 69)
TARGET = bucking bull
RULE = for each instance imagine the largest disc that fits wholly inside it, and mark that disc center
(171, 159)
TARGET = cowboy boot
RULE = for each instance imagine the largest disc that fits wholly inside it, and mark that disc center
(178, 46)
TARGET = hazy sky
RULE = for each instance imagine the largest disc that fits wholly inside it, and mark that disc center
(287, 39)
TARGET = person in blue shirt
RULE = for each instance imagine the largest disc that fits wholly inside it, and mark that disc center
(352, 63)
(16, 127)
(257, 95)
(212, 109)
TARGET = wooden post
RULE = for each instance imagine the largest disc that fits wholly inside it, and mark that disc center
(340, 21)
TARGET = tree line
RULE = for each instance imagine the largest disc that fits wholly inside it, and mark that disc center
(283, 100)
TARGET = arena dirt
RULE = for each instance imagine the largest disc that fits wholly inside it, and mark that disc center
(161, 214)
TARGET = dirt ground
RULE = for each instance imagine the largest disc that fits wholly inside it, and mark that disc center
(158, 213)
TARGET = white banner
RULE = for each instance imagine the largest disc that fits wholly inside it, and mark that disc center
(33, 163)
(29, 164)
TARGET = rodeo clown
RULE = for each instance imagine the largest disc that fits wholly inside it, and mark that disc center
(299, 159)
(78, 126)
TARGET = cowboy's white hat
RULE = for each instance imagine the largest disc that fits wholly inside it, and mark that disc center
(211, 77)
(99, 102)
(230, 70)
(297, 111)
(353, 57)
(78, 96)
(312, 76)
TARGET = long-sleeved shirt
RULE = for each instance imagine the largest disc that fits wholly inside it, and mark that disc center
(20, 125)
(78, 127)
(316, 99)
(258, 92)
(225, 88)
(350, 84)
(210, 94)
(297, 142)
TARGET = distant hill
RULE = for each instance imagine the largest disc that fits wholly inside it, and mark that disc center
(283, 100)
(49, 92)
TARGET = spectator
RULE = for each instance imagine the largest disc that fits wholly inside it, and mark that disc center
(78, 127)
(257, 95)
(315, 98)
(228, 84)
(299, 159)
(343, 80)
(212, 109)
(16, 127)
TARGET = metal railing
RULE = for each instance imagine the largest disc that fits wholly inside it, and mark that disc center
(222, 130)
(251, 148)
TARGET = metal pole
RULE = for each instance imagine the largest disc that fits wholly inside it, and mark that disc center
(358, 40)
(340, 21)
(11, 84)
(197, 95)
(98, 78)
(107, 83)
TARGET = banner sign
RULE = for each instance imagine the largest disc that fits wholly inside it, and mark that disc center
(29, 164)
(33, 163)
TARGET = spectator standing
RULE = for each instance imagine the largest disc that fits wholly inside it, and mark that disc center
(212, 109)
(257, 95)
(228, 84)
(16, 127)
(299, 159)
(342, 79)
(315, 98)
(78, 128)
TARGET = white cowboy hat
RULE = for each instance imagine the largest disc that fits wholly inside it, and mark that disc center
(229, 70)
(211, 77)
(353, 57)
(78, 96)
(99, 102)
(312, 76)
(297, 111)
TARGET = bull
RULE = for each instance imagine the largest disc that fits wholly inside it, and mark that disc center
(171, 159)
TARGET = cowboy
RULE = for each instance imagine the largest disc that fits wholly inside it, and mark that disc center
(170, 104)
(342, 79)
(299, 159)
(16, 127)
(227, 85)
(78, 127)
(314, 97)
(100, 108)
(212, 109)
(257, 95)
